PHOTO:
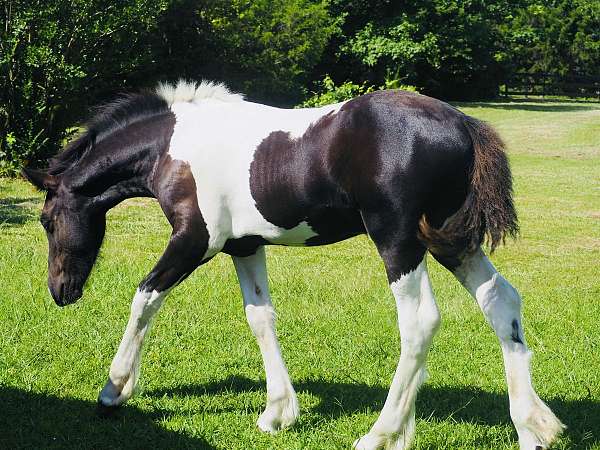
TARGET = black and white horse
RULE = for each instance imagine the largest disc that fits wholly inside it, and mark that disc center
(232, 176)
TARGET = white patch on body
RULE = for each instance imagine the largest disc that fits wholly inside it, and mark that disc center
(218, 139)
(125, 368)
(536, 424)
(282, 405)
(418, 321)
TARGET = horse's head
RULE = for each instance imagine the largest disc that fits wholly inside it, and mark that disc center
(75, 228)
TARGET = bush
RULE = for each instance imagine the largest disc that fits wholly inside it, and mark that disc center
(55, 57)
(329, 93)
(60, 57)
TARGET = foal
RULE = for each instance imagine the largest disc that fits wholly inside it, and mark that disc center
(233, 176)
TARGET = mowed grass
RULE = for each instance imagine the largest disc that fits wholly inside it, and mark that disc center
(202, 383)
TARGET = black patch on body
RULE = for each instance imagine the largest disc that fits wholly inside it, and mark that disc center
(516, 333)
(377, 165)
(243, 246)
(303, 191)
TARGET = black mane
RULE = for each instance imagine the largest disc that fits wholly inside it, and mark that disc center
(108, 118)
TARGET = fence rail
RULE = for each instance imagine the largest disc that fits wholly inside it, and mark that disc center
(545, 84)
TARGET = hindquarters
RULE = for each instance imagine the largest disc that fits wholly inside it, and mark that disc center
(404, 167)
(424, 176)
(488, 210)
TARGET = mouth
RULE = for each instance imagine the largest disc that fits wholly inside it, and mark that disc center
(64, 296)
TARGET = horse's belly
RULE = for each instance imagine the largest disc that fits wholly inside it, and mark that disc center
(252, 223)
(321, 226)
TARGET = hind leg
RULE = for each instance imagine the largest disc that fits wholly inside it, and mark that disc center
(418, 321)
(536, 425)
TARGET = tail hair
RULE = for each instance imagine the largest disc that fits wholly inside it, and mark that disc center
(488, 212)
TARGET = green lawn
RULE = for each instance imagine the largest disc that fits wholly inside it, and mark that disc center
(202, 383)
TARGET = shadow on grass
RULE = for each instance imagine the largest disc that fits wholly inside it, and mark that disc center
(18, 211)
(537, 105)
(458, 404)
(40, 421)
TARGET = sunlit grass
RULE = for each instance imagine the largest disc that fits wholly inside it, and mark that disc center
(202, 383)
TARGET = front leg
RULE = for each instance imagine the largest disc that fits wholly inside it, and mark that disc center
(183, 254)
(125, 367)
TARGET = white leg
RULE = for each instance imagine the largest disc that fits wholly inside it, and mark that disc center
(282, 405)
(536, 425)
(125, 367)
(418, 320)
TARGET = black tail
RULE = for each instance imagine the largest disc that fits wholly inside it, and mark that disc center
(488, 211)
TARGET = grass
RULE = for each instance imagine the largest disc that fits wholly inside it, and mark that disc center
(202, 383)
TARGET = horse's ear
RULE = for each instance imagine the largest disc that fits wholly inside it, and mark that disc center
(40, 179)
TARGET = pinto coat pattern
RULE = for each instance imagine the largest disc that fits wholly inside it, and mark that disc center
(232, 176)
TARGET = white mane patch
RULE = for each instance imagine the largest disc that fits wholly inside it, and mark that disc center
(193, 92)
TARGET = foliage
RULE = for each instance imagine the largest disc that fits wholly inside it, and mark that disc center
(329, 93)
(53, 57)
(561, 37)
(267, 45)
(58, 58)
(457, 49)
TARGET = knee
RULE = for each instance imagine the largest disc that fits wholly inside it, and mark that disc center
(430, 323)
(417, 336)
(145, 304)
(428, 315)
(260, 318)
(497, 292)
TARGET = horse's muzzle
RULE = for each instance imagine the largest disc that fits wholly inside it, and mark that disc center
(64, 293)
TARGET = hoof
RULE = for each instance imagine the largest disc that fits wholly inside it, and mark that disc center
(369, 442)
(279, 415)
(539, 429)
(106, 411)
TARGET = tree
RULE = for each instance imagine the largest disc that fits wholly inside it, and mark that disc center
(268, 47)
(561, 37)
(54, 57)
(58, 58)
(447, 48)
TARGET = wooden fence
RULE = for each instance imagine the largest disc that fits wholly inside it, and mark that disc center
(545, 84)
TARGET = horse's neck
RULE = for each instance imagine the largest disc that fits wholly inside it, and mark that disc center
(122, 167)
(122, 190)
